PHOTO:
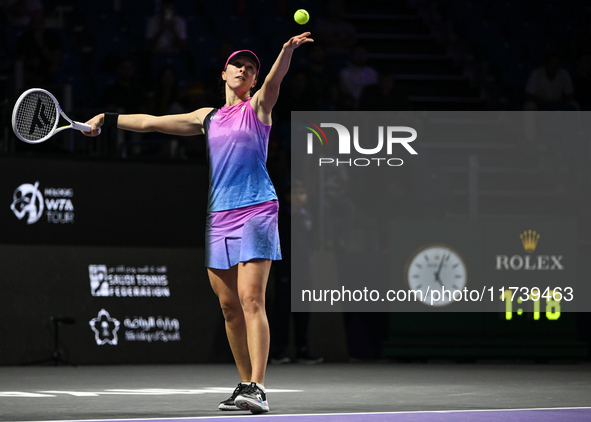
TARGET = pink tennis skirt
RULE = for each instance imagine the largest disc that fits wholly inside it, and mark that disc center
(242, 234)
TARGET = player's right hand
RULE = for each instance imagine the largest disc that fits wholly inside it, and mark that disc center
(95, 123)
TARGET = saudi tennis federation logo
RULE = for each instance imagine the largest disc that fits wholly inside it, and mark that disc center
(27, 201)
(99, 280)
(105, 328)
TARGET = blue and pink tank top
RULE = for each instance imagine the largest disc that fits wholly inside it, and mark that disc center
(237, 143)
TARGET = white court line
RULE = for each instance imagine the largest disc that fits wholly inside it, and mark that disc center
(129, 392)
(267, 415)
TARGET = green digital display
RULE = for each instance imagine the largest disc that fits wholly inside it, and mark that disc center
(518, 302)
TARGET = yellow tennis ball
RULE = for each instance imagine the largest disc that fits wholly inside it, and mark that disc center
(301, 16)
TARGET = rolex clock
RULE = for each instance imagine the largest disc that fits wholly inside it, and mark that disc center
(436, 267)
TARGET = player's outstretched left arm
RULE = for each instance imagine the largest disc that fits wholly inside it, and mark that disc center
(264, 100)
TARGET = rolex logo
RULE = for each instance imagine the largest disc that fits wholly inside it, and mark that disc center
(529, 238)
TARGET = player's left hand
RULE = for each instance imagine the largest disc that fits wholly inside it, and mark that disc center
(295, 42)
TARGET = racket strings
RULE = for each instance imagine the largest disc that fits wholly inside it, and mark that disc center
(36, 116)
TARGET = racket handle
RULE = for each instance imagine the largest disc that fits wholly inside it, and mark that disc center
(83, 127)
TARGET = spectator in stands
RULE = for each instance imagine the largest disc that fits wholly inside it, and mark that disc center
(337, 35)
(581, 40)
(337, 100)
(582, 81)
(194, 97)
(296, 97)
(215, 93)
(164, 98)
(125, 94)
(550, 87)
(357, 74)
(40, 50)
(293, 212)
(21, 12)
(320, 76)
(385, 95)
(339, 205)
(166, 31)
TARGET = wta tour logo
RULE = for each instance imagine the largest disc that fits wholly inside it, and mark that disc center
(386, 136)
(29, 202)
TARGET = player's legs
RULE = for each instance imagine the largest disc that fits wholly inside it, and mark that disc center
(252, 284)
(225, 286)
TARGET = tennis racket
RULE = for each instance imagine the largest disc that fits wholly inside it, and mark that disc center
(36, 115)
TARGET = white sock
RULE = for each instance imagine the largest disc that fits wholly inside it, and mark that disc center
(262, 387)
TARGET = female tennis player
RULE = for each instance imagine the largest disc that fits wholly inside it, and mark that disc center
(241, 231)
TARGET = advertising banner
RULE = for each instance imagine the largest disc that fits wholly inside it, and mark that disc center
(97, 203)
(111, 257)
(440, 211)
(110, 305)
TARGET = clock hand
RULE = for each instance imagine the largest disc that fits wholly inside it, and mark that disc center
(437, 279)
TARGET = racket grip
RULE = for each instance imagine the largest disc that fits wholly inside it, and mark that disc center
(83, 127)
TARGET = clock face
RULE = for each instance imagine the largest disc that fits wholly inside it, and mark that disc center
(435, 268)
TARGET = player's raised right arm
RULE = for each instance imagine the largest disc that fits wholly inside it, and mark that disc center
(187, 124)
